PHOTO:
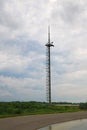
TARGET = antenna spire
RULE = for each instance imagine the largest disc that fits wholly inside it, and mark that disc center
(49, 34)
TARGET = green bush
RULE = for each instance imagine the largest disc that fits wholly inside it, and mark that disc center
(83, 106)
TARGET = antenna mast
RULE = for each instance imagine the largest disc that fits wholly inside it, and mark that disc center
(48, 67)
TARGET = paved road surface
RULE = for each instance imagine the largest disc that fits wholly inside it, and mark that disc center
(37, 121)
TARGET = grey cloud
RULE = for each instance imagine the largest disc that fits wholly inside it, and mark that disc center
(18, 18)
(22, 57)
(8, 16)
(68, 11)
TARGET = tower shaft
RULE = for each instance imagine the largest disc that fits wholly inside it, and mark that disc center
(48, 69)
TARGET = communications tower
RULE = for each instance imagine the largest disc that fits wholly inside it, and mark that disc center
(48, 67)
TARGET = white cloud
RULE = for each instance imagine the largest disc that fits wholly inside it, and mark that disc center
(13, 62)
(27, 88)
(23, 18)
(24, 23)
(4, 93)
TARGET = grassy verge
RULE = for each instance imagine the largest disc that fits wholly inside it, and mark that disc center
(8, 109)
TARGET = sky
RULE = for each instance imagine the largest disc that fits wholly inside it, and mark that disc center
(23, 35)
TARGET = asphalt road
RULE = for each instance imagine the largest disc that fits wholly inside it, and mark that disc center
(37, 121)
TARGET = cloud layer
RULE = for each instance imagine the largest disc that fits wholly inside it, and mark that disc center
(23, 35)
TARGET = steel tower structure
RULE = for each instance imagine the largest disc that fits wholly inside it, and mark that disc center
(48, 67)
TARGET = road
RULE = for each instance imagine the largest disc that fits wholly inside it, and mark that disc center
(34, 122)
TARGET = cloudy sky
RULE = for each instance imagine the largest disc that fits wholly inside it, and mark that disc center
(23, 35)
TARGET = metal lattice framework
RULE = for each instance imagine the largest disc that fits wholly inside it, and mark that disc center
(48, 67)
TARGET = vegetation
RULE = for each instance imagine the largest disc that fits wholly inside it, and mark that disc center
(83, 106)
(27, 108)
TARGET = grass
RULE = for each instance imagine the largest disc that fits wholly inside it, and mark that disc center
(11, 109)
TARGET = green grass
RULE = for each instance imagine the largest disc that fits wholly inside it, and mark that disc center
(8, 109)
